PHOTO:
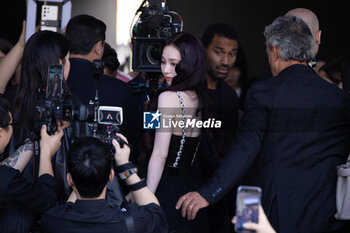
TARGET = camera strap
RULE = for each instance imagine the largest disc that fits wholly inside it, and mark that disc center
(36, 157)
(129, 220)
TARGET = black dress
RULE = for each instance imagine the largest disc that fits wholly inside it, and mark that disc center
(177, 179)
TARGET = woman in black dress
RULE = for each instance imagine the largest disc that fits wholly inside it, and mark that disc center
(182, 105)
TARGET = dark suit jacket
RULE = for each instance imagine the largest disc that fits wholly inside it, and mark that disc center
(295, 131)
(113, 92)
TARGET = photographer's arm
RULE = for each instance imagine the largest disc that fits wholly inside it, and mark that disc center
(142, 196)
(19, 159)
(9, 63)
(48, 147)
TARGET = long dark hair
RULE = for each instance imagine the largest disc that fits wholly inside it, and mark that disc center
(43, 49)
(191, 76)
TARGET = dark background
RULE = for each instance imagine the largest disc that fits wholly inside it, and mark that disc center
(249, 18)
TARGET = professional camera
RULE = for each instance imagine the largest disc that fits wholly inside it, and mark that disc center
(54, 103)
(65, 109)
(106, 119)
(154, 25)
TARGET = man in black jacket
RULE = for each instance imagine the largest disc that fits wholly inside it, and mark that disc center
(89, 166)
(86, 35)
(221, 43)
(296, 130)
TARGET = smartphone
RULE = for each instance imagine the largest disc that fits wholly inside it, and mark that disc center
(247, 206)
(49, 14)
(54, 82)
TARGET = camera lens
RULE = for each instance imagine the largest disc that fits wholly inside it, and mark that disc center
(153, 54)
(85, 113)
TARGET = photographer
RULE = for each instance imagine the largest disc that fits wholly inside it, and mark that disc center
(86, 35)
(37, 197)
(43, 49)
(89, 165)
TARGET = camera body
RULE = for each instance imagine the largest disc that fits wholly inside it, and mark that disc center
(107, 134)
(106, 119)
(63, 109)
(154, 25)
(54, 103)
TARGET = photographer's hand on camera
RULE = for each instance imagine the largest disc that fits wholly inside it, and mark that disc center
(49, 146)
(128, 173)
(121, 154)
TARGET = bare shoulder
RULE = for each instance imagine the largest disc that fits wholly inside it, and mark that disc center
(168, 99)
(168, 94)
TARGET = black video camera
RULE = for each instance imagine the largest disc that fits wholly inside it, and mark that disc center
(54, 103)
(106, 120)
(154, 25)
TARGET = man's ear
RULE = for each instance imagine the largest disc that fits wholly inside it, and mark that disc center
(318, 37)
(275, 53)
(111, 176)
(70, 180)
(98, 48)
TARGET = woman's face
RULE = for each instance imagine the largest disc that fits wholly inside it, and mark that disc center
(170, 57)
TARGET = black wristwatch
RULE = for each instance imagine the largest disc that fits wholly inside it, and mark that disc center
(127, 173)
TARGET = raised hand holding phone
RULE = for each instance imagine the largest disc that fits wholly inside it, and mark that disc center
(247, 207)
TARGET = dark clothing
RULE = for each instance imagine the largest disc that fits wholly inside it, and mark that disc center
(97, 216)
(38, 197)
(176, 182)
(264, 76)
(226, 104)
(296, 129)
(10, 92)
(138, 87)
(225, 108)
(112, 92)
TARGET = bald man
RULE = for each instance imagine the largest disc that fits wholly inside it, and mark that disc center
(311, 20)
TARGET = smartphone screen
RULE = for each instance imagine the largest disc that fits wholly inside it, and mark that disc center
(54, 82)
(247, 206)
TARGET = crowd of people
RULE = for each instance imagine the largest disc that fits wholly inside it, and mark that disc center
(285, 133)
